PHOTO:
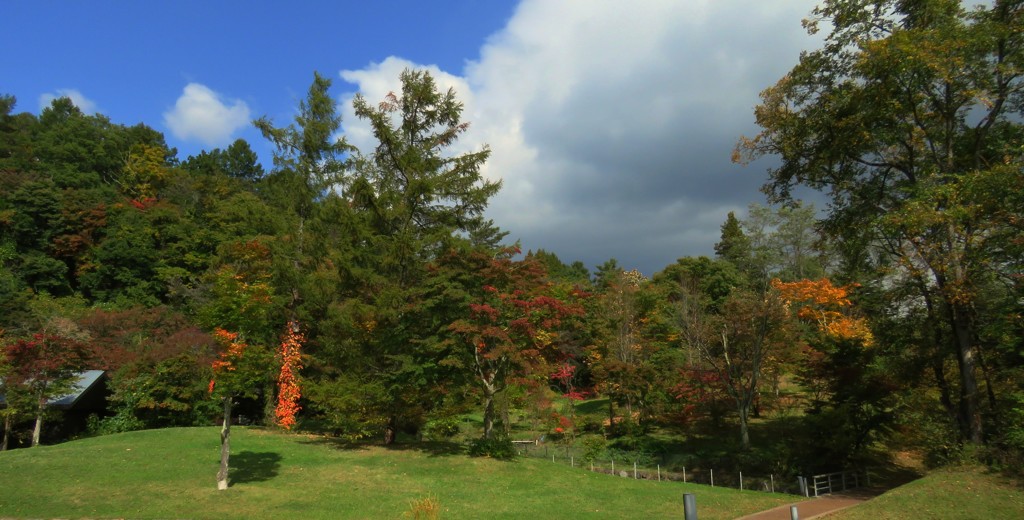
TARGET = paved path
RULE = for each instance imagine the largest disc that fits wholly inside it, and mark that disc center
(808, 509)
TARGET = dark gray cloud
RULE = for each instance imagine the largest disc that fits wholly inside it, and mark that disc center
(612, 124)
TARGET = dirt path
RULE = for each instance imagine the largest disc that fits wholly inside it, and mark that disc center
(818, 506)
(808, 509)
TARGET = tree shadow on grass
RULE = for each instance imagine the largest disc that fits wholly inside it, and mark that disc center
(431, 448)
(248, 466)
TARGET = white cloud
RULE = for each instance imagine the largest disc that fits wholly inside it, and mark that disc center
(201, 114)
(377, 80)
(86, 105)
(611, 124)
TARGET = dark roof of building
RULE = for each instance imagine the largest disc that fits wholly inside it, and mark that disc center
(86, 381)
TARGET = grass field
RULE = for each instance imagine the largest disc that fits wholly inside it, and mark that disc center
(955, 493)
(170, 474)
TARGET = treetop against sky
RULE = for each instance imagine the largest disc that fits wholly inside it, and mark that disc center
(610, 125)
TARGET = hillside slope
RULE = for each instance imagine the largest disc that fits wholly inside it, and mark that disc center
(170, 473)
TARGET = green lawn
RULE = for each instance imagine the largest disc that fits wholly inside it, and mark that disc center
(170, 474)
(958, 493)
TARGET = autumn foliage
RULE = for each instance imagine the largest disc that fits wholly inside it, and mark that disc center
(229, 357)
(288, 391)
(826, 306)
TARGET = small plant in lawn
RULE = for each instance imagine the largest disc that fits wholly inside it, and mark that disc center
(424, 509)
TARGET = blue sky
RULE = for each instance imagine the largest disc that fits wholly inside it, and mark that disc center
(610, 122)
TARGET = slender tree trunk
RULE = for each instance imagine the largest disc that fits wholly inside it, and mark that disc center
(743, 407)
(37, 431)
(985, 375)
(7, 431)
(611, 414)
(968, 378)
(269, 404)
(391, 431)
(225, 446)
(488, 412)
(945, 397)
(938, 361)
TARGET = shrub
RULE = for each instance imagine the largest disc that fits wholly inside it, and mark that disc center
(498, 447)
(124, 421)
(594, 448)
(441, 429)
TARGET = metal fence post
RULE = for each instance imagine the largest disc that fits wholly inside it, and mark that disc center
(712, 478)
(741, 481)
(689, 506)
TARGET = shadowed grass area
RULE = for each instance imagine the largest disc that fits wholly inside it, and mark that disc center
(170, 474)
(955, 493)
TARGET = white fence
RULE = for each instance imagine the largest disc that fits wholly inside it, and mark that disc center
(828, 483)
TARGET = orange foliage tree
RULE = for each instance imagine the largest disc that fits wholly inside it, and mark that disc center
(230, 379)
(823, 304)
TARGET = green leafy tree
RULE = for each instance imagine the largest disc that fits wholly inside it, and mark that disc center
(734, 245)
(905, 104)
(414, 199)
(237, 161)
(310, 160)
(621, 358)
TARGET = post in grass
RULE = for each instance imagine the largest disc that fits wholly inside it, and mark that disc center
(741, 481)
(712, 478)
(689, 506)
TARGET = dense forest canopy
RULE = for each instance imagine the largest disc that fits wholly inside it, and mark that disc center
(370, 282)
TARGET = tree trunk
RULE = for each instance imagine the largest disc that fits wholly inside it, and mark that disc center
(611, 415)
(269, 404)
(391, 431)
(225, 446)
(7, 431)
(968, 379)
(488, 412)
(744, 411)
(37, 432)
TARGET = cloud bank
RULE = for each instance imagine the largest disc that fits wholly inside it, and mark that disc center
(200, 114)
(611, 124)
